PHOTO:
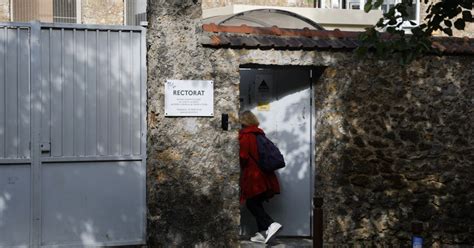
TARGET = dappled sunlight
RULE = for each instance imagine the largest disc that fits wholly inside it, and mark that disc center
(302, 172)
(87, 184)
(95, 95)
(400, 156)
(99, 212)
(3, 207)
(14, 205)
(88, 234)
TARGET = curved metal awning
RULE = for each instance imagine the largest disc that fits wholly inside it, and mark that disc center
(265, 18)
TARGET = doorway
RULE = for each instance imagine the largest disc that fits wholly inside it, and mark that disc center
(281, 98)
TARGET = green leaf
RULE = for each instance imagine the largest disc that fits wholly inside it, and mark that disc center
(403, 11)
(459, 24)
(363, 37)
(380, 49)
(368, 6)
(361, 51)
(444, 15)
(377, 4)
(380, 23)
(391, 30)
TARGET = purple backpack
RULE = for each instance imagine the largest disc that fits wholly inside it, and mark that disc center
(270, 157)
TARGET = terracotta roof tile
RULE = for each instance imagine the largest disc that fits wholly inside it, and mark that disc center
(306, 39)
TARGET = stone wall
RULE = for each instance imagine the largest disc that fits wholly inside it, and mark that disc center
(393, 144)
(207, 4)
(4, 10)
(192, 165)
(108, 12)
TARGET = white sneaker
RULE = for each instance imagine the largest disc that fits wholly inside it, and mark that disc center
(258, 238)
(273, 229)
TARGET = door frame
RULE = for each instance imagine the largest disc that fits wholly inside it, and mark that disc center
(315, 74)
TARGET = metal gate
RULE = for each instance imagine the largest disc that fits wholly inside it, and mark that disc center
(72, 135)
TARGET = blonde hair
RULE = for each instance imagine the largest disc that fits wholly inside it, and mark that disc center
(247, 118)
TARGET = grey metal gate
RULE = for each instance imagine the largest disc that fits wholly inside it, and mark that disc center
(72, 135)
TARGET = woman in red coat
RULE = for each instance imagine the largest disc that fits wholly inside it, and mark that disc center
(256, 186)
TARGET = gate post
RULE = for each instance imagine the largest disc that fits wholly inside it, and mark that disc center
(36, 108)
(318, 222)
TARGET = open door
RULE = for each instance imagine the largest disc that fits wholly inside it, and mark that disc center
(281, 98)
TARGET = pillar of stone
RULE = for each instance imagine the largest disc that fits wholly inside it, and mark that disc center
(192, 167)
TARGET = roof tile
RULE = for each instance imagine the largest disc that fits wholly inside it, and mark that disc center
(280, 38)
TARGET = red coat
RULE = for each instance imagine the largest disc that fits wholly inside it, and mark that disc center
(253, 181)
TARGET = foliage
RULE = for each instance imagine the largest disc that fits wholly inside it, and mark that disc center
(442, 15)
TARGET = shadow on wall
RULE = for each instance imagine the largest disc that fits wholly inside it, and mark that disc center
(191, 206)
(393, 148)
(192, 171)
(91, 106)
(77, 207)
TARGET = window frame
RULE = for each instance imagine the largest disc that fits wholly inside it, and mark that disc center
(78, 11)
(405, 25)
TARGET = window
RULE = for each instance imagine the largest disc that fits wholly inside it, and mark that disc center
(413, 11)
(65, 11)
(135, 12)
(354, 5)
(387, 4)
(359, 5)
(24, 10)
(340, 4)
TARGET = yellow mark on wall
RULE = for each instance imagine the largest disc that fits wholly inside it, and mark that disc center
(263, 106)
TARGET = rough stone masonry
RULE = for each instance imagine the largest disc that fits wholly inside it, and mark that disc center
(393, 144)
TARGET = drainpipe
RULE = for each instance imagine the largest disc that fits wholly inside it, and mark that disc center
(318, 222)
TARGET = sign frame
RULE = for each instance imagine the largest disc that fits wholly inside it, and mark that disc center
(189, 98)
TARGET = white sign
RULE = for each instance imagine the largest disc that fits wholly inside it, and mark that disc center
(189, 98)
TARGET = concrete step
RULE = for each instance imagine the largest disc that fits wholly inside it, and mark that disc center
(279, 243)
